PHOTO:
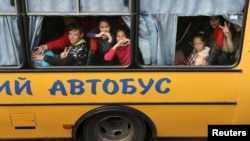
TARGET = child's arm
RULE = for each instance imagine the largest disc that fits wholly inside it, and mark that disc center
(93, 32)
(228, 45)
(105, 48)
(54, 61)
(110, 55)
(59, 43)
(58, 61)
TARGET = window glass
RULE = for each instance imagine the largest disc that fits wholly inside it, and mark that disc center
(43, 6)
(7, 6)
(119, 6)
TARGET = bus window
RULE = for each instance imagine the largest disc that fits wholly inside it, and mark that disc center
(7, 6)
(54, 28)
(164, 32)
(51, 6)
(11, 48)
(189, 27)
(87, 13)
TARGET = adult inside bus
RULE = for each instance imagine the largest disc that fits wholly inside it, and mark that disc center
(177, 68)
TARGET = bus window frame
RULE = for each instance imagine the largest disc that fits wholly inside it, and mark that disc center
(175, 67)
(79, 14)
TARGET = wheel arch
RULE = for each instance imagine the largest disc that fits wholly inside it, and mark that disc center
(76, 132)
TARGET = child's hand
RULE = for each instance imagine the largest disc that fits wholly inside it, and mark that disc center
(40, 49)
(225, 29)
(108, 35)
(65, 53)
(126, 42)
(101, 35)
(37, 56)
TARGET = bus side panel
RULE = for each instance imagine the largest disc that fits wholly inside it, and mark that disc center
(108, 87)
(170, 120)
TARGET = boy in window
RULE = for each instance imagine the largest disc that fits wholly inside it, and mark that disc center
(74, 55)
(60, 42)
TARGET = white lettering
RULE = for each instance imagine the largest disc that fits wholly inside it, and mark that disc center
(215, 132)
(231, 133)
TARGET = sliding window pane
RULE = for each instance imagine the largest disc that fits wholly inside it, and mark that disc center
(44, 6)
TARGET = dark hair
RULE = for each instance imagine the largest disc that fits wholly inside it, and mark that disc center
(221, 19)
(200, 35)
(76, 26)
(123, 28)
(102, 19)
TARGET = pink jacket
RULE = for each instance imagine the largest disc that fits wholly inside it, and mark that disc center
(122, 53)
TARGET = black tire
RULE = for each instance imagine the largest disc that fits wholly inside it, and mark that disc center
(114, 126)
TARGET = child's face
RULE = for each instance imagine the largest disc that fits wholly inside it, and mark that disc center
(198, 44)
(104, 26)
(75, 36)
(214, 21)
(120, 35)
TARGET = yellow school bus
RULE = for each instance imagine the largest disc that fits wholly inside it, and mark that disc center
(157, 95)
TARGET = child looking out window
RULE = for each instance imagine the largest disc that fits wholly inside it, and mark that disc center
(75, 54)
(200, 53)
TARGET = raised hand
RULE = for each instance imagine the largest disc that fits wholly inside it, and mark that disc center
(65, 53)
(225, 29)
(126, 42)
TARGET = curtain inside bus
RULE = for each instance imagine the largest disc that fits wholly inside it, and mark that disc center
(11, 52)
(35, 30)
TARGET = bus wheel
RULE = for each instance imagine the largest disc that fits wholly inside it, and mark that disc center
(114, 126)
